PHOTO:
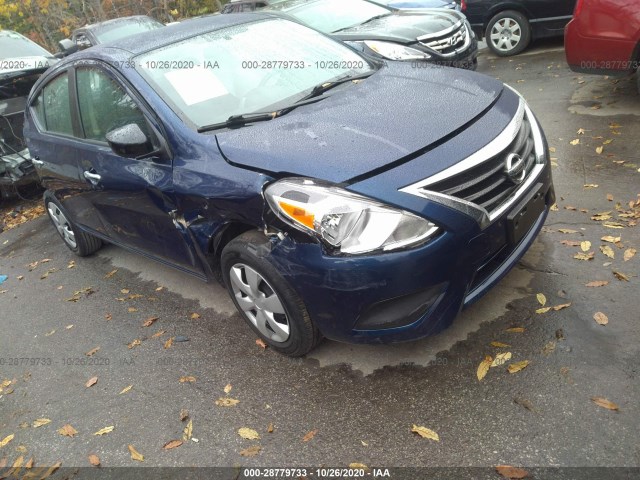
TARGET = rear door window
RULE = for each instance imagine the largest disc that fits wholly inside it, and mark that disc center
(51, 106)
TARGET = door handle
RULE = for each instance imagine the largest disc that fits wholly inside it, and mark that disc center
(94, 178)
(37, 161)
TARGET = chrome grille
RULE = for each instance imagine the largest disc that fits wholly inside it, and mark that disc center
(447, 42)
(487, 184)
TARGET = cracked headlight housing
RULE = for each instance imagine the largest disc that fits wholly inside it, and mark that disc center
(395, 51)
(346, 221)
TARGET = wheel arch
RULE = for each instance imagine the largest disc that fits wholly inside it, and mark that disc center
(503, 7)
(220, 240)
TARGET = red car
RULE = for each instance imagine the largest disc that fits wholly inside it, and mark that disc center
(604, 37)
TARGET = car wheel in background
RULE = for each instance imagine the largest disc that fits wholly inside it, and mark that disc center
(508, 33)
(264, 298)
(79, 242)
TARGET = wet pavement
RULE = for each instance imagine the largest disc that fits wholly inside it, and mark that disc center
(362, 401)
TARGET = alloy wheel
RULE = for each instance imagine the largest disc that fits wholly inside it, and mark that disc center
(506, 34)
(260, 303)
(62, 225)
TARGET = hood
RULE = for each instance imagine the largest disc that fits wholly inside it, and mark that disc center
(403, 26)
(366, 126)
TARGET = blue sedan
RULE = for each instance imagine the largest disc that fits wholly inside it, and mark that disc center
(333, 195)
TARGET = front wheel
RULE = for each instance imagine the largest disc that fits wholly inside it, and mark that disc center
(508, 33)
(79, 242)
(265, 300)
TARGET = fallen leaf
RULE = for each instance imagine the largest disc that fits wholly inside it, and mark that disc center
(607, 142)
(227, 388)
(150, 321)
(195, 316)
(585, 246)
(591, 185)
(516, 367)
(483, 368)
(49, 333)
(605, 403)
(424, 432)
(561, 307)
(104, 431)
(549, 347)
(6, 440)
(159, 333)
(251, 451)
(541, 299)
(248, 434)
(67, 431)
(187, 432)
(501, 359)
(172, 444)
(580, 131)
(159, 289)
(552, 149)
(108, 316)
(134, 344)
(124, 291)
(584, 256)
(227, 402)
(69, 327)
(607, 251)
(92, 352)
(567, 230)
(543, 310)
(359, 466)
(94, 460)
(621, 276)
(500, 345)
(629, 254)
(571, 243)
(515, 330)
(597, 283)
(261, 343)
(507, 471)
(126, 389)
(599, 149)
(270, 428)
(135, 455)
(609, 197)
(39, 422)
(188, 379)
(309, 435)
(575, 142)
(111, 273)
(168, 343)
(184, 414)
(29, 464)
(600, 318)
(132, 310)
(91, 382)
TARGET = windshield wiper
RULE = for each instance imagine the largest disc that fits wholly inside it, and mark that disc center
(377, 17)
(323, 87)
(240, 120)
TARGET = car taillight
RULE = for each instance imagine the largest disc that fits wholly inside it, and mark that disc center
(578, 8)
(463, 5)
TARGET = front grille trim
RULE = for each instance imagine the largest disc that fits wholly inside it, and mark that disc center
(439, 42)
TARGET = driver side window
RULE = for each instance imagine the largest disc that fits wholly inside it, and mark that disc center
(105, 105)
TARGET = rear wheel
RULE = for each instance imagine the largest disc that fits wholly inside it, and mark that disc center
(508, 33)
(272, 309)
(79, 242)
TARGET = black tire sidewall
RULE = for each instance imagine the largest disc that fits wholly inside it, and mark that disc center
(303, 335)
(86, 244)
(525, 27)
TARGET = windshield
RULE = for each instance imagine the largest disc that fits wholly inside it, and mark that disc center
(332, 15)
(14, 45)
(118, 30)
(247, 68)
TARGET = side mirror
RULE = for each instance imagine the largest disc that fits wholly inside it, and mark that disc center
(129, 141)
(67, 46)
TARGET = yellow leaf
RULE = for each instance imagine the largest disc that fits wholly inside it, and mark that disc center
(168, 343)
(189, 379)
(228, 388)
(104, 430)
(543, 310)
(561, 307)
(39, 422)
(604, 403)
(599, 149)
(567, 230)
(132, 309)
(251, 451)
(607, 251)
(580, 131)
(584, 256)
(159, 333)
(188, 431)
(126, 389)
(501, 359)
(94, 460)
(124, 291)
(607, 142)
(92, 352)
(424, 432)
(67, 431)
(172, 444)
(227, 402)
(6, 440)
(270, 428)
(248, 434)
(621, 276)
(111, 274)
(575, 142)
(597, 283)
(585, 246)
(359, 466)
(629, 254)
(516, 367)
(610, 239)
(135, 455)
(483, 368)
(150, 321)
(600, 318)
(500, 345)
(91, 382)
(515, 330)
(51, 470)
(195, 316)
(591, 185)
(541, 299)
(134, 344)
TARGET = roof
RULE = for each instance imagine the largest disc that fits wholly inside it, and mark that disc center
(113, 21)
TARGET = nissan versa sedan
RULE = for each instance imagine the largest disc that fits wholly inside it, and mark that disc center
(332, 196)
(441, 36)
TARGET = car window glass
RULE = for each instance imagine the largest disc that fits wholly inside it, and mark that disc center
(247, 7)
(51, 107)
(105, 105)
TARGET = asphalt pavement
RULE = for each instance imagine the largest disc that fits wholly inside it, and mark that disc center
(65, 320)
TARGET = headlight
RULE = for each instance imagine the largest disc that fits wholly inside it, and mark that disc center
(393, 51)
(344, 220)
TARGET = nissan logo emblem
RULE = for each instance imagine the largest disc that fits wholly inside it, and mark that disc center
(515, 168)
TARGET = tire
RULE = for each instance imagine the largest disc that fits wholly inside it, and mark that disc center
(508, 33)
(265, 300)
(79, 242)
